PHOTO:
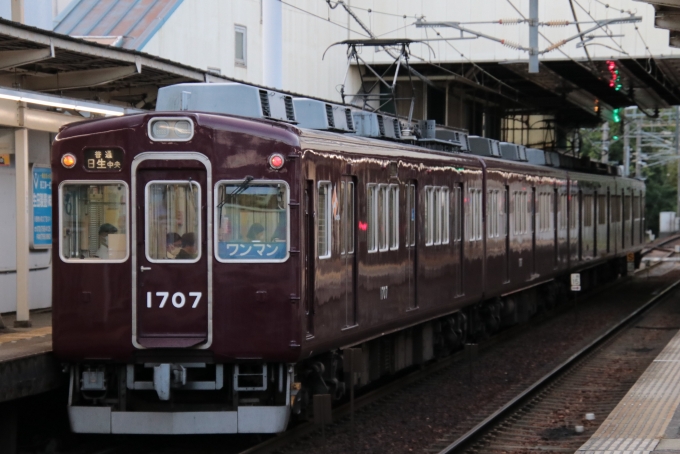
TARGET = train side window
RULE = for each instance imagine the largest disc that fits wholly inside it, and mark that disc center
(323, 218)
(93, 221)
(383, 207)
(457, 213)
(601, 209)
(411, 215)
(393, 216)
(445, 215)
(475, 223)
(372, 215)
(349, 216)
(173, 215)
(563, 212)
(251, 221)
(494, 214)
(588, 211)
(429, 216)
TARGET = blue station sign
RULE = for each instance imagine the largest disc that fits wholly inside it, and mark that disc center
(41, 214)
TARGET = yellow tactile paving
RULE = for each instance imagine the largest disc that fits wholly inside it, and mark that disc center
(639, 421)
(13, 337)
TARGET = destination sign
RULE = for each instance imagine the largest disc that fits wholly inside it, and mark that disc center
(104, 159)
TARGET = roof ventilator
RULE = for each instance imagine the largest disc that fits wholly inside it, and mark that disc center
(349, 120)
(329, 116)
(264, 102)
(290, 110)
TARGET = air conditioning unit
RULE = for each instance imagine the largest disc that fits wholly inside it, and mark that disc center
(458, 137)
(314, 114)
(227, 98)
(536, 156)
(513, 152)
(483, 146)
(372, 124)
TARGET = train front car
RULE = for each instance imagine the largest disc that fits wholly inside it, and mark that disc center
(176, 273)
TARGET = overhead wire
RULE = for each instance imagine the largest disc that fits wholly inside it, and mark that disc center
(549, 41)
(322, 18)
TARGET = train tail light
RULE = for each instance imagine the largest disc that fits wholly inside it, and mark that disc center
(171, 129)
(276, 161)
(68, 161)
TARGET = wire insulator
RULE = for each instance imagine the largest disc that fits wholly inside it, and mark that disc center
(556, 45)
(557, 23)
(510, 21)
(510, 44)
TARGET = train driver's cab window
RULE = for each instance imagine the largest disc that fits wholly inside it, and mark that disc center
(173, 227)
(94, 221)
(251, 221)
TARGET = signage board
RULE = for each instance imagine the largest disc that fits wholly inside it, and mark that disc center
(5, 159)
(575, 282)
(41, 214)
(104, 159)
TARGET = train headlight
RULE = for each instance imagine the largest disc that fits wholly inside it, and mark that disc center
(68, 161)
(276, 161)
(160, 129)
(171, 129)
(183, 129)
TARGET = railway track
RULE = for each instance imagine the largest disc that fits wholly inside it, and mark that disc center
(545, 416)
(307, 437)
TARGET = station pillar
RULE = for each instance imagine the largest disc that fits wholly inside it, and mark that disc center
(23, 205)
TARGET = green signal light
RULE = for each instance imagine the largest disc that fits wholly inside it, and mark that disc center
(616, 115)
(616, 137)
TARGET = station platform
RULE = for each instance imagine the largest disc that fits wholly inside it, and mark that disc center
(27, 366)
(647, 419)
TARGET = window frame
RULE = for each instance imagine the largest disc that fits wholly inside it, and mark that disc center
(445, 216)
(411, 215)
(146, 222)
(61, 220)
(372, 215)
(244, 31)
(329, 226)
(216, 214)
(429, 215)
(393, 217)
(384, 233)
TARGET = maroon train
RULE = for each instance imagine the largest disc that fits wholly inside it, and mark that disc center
(209, 269)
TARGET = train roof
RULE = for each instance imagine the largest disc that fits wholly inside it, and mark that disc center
(320, 140)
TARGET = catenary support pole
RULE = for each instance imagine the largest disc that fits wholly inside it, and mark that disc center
(272, 36)
(626, 148)
(22, 207)
(638, 148)
(604, 157)
(533, 36)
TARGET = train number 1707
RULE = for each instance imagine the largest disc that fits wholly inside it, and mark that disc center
(178, 299)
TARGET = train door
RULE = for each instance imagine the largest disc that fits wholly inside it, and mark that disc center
(555, 219)
(411, 235)
(172, 252)
(533, 230)
(310, 256)
(348, 247)
(506, 231)
(458, 236)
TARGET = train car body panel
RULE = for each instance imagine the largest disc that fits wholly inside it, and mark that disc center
(220, 274)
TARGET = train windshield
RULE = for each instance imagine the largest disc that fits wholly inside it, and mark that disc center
(93, 221)
(173, 221)
(252, 221)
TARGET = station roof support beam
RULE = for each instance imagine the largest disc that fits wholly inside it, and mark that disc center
(14, 58)
(79, 79)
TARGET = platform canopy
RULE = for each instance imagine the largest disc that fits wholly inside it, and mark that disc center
(37, 60)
